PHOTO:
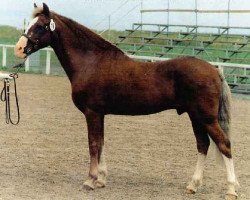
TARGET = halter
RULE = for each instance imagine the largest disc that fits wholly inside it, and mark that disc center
(35, 42)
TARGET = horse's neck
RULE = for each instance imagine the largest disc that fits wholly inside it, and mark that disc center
(70, 49)
(64, 54)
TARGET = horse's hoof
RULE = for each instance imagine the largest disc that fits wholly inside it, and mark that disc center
(230, 197)
(89, 184)
(100, 184)
(190, 191)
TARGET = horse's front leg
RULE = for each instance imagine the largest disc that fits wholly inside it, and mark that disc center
(98, 170)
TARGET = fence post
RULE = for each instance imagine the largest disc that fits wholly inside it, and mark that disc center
(245, 71)
(4, 63)
(141, 14)
(27, 64)
(221, 68)
(48, 56)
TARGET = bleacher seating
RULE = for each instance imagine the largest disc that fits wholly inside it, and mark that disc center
(211, 43)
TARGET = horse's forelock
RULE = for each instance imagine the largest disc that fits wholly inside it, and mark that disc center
(37, 11)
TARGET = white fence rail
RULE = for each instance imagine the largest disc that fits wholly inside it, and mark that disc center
(220, 65)
(27, 62)
(47, 66)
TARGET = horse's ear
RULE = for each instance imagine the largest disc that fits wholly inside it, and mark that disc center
(35, 6)
(46, 9)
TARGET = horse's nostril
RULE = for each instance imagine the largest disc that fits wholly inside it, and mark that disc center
(20, 48)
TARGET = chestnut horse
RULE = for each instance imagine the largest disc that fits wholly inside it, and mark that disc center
(106, 81)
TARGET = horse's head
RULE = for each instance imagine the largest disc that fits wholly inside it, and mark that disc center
(38, 34)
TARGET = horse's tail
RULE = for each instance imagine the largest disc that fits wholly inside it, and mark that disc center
(224, 114)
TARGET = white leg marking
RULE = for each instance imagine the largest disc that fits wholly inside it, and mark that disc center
(231, 177)
(102, 174)
(102, 170)
(198, 174)
(102, 164)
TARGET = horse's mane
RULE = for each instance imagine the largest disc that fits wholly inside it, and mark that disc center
(81, 32)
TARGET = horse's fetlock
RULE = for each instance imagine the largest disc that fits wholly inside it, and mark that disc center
(94, 177)
(197, 182)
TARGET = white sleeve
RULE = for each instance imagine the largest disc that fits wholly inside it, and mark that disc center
(3, 76)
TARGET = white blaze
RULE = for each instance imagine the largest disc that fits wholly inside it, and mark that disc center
(22, 43)
(33, 21)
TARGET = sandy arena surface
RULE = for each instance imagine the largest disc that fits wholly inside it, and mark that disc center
(148, 157)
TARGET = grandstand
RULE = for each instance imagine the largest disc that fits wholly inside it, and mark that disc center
(184, 40)
(226, 44)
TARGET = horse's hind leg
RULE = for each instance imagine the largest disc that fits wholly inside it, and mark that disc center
(98, 170)
(223, 144)
(202, 146)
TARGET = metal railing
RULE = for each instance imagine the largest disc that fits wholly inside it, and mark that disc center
(117, 19)
(194, 11)
(49, 51)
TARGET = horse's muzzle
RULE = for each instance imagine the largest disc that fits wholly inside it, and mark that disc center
(19, 49)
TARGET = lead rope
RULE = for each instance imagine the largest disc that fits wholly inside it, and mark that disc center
(5, 96)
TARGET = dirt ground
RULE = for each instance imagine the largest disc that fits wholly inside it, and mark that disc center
(148, 157)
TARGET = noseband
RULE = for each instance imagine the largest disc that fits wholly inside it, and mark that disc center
(35, 42)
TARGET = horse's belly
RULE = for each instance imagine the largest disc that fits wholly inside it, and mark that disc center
(142, 101)
(123, 107)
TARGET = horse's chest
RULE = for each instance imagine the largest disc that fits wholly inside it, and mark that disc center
(87, 97)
